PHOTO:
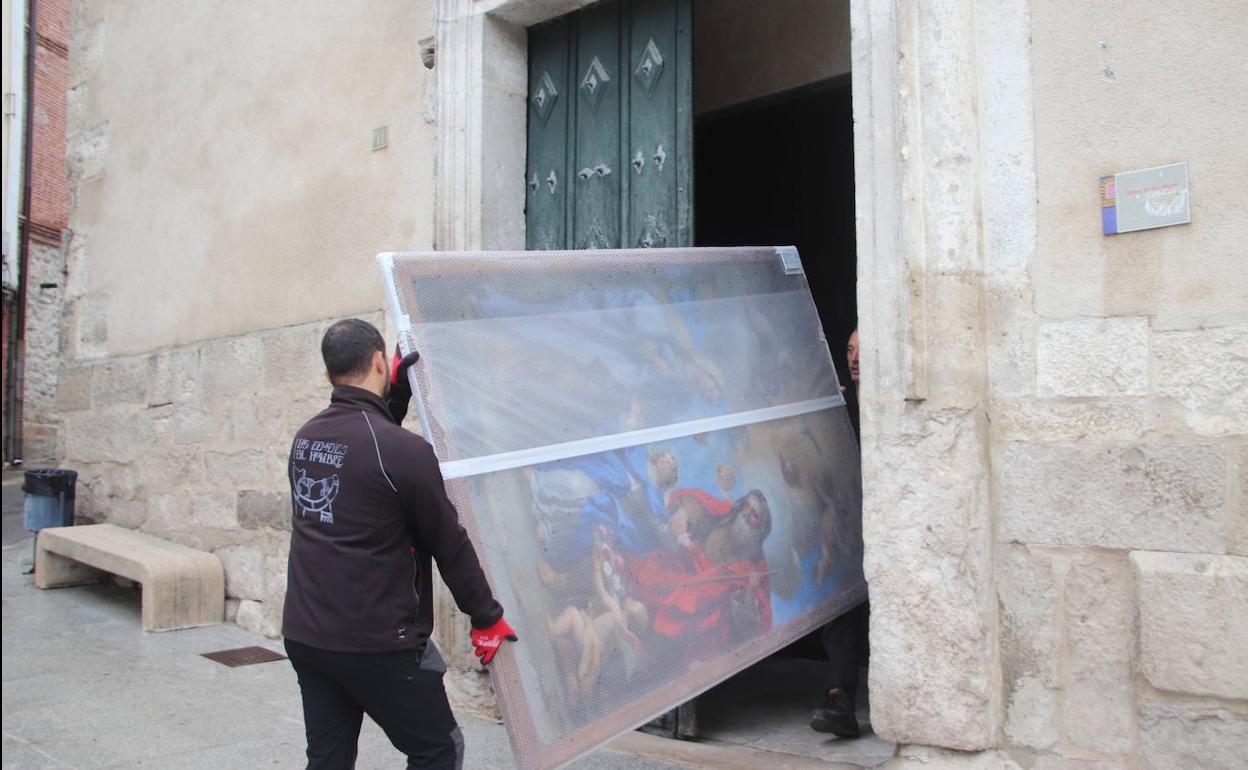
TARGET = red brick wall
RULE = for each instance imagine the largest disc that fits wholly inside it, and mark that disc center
(54, 21)
(49, 205)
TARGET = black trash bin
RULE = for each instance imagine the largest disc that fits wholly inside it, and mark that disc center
(49, 498)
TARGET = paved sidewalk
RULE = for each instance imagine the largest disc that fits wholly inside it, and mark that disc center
(85, 687)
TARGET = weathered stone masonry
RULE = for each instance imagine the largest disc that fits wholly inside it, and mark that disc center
(191, 443)
(1053, 455)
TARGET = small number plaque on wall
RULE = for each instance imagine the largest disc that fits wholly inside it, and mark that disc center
(1145, 199)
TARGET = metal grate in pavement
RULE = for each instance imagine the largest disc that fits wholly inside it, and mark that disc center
(244, 656)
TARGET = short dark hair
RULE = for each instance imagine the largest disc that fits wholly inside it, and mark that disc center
(348, 348)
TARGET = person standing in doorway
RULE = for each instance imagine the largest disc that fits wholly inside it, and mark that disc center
(851, 400)
(370, 514)
(845, 637)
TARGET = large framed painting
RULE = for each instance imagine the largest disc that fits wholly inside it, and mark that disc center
(651, 454)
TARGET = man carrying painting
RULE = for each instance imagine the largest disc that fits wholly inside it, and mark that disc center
(370, 515)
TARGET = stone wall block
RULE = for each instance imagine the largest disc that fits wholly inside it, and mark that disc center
(173, 469)
(1032, 713)
(1052, 762)
(1175, 736)
(214, 508)
(73, 388)
(1028, 592)
(470, 689)
(1011, 336)
(1237, 501)
(131, 514)
(251, 618)
(1093, 357)
(121, 381)
(928, 560)
(76, 282)
(232, 368)
(1030, 645)
(243, 424)
(294, 359)
(237, 469)
(168, 511)
(42, 363)
(174, 376)
(1193, 616)
(159, 426)
(259, 508)
(195, 425)
(86, 151)
(101, 485)
(932, 758)
(103, 436)
(1149, 497)
(1099, 693)
(1023, 419)
(244, 566)
(40, 442)
(277, 550)
(954, 310)
(1206, 372)
(91, 314)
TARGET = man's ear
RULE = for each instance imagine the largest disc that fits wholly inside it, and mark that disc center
(380, 364)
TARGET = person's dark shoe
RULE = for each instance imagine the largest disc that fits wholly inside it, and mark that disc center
(836, 715)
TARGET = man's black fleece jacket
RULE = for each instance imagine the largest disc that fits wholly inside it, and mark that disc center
(366, 492)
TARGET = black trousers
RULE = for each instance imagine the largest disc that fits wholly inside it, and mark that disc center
(401, 691)
(845, 641)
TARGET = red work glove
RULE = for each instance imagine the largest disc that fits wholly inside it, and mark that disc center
(400, 389)
(399, 366)
(486, 641)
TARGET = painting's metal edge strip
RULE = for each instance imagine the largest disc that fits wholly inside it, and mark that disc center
(403, 323)
(475, 466)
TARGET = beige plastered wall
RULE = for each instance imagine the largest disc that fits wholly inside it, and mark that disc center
(227, 206)
(226, 180)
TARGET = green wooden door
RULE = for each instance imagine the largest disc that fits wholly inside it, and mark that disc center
(610, 138)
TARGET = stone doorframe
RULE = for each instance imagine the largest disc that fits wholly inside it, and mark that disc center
(944, 167)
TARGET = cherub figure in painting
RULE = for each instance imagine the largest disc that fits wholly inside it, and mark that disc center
(609, 623)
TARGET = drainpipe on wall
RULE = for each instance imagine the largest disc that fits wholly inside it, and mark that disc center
(14, 99)
(17, 344)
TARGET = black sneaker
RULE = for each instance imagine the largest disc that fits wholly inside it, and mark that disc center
(836, 715)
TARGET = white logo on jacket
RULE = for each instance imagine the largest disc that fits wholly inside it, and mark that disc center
(315, 496)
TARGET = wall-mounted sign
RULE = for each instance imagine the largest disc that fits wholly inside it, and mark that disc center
(1142, 200)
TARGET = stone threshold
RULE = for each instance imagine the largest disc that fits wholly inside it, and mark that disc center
(713, 754)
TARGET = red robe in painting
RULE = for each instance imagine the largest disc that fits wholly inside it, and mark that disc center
(689, 596)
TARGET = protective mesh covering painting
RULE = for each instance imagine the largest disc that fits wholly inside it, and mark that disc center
(651, 454)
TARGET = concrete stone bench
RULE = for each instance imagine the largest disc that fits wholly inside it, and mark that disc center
(182, 587)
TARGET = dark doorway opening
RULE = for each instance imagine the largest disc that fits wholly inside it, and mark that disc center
(779, 170)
